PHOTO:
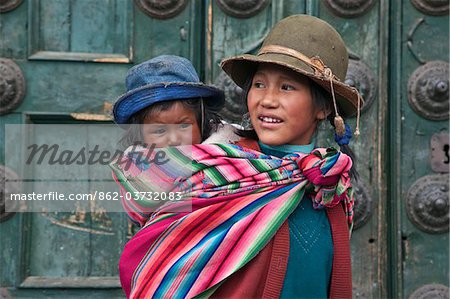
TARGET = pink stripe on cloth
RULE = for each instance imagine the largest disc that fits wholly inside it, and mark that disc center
(264, 217)
(135, 250)
(171, 292)
(200, 220)
(175, 240)
(314, 175)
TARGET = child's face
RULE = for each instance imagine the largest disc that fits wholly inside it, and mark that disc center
(174, 126)
(281, 107)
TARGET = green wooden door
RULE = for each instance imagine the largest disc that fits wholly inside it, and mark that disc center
(363, 26)
(64, 62)
(419, 182)
(400, 242)
(399, 62)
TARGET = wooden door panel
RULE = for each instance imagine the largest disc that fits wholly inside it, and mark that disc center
(13, 32)
(77, 246)
(71, 87)
(232, 29)
(74, 56)
(174, 29)
(363, 29)
(10, 229)
(420, 105)
(80, 30)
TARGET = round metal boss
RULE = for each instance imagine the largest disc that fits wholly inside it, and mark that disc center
(427, 203)
(8, 5)
(431, 291)
(363, 205)
(428, 90)
(161, 9)
(360, 76)
(432, 7)
(349, 8)
(242, 8)
(12, 86)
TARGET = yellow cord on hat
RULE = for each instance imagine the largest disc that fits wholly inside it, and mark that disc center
(339, 125)
(358, 112)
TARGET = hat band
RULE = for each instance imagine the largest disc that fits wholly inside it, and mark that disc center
(319, 68)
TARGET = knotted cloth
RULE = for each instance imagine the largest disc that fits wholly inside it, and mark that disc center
(238, 199)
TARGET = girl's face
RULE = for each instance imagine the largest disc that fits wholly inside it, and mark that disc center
(281, 107)
(174, 126)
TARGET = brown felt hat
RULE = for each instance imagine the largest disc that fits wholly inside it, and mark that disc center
(309, 46)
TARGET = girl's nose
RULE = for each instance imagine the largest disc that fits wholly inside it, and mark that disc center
(269, 99)
(174, 137)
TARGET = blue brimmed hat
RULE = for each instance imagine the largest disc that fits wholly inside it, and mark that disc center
(163, 78)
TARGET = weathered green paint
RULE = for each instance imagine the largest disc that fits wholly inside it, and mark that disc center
(9, 230)
(80, 30)
(420, 258)
(74, 56)
(60, 245)
(227, 36)
(363, 36)
(180, 35)
(13, 33)
(80, 88)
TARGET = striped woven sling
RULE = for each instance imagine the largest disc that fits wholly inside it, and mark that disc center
(234, 199)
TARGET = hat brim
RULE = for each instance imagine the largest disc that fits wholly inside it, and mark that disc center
(239, 68)
(147, 95)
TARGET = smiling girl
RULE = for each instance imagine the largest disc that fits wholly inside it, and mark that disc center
(293, 83)
(281, 106)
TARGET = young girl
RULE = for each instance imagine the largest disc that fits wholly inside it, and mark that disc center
(166, 104)
(270, 215)
(293, 83)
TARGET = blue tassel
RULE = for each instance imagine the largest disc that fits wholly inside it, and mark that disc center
(345, 139)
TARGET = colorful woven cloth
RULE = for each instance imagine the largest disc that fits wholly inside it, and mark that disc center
(237, 199)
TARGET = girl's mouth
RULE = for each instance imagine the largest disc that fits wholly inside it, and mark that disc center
(269, 122)
(268, 119)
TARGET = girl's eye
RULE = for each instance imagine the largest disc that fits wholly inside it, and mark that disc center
(287, 87)
(185, 126)
(158, 131)
(258, 85)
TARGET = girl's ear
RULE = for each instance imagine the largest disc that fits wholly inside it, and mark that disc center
(323, 114)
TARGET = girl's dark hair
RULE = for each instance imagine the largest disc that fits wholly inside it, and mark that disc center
(321, 98)
(133, 134)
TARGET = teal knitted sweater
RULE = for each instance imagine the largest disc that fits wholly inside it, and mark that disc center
(311, 246)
